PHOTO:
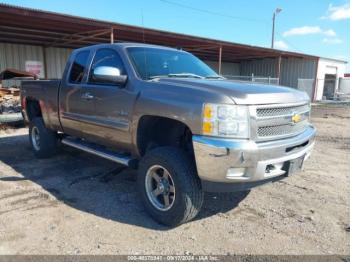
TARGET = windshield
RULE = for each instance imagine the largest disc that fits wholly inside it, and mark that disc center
(152, 63)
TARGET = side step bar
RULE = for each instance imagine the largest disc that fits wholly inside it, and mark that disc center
(99, 151)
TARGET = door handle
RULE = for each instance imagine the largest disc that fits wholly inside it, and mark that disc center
(87, 96)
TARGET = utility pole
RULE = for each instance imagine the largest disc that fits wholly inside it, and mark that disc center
(275, 13)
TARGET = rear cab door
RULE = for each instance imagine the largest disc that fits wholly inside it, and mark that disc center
(77, 104)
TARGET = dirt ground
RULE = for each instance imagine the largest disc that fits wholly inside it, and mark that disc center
(76, 203)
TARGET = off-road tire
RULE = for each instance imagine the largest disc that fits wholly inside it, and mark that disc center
(48, 139)
(189, 195)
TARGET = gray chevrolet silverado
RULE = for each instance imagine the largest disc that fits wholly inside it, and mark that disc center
(164, 112)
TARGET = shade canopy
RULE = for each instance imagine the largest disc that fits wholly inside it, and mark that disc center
(35, 27)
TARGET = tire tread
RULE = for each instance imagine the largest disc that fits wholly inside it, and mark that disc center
(191, 185)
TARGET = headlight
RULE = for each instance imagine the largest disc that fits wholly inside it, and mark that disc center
(225, 120)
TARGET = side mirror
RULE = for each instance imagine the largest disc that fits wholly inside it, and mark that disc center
(108, 74)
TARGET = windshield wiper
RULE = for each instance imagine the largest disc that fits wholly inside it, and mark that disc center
(215, 77)
(178, 75)
(159, 76)
(186, 75)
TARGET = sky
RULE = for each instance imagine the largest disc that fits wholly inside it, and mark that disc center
(317, 27)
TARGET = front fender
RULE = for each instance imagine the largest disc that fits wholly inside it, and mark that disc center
(178, 102)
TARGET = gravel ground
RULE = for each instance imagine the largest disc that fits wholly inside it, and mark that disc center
(76, 203)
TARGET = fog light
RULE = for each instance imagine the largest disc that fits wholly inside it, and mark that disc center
(235, 172)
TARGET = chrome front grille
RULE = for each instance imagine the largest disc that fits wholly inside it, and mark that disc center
(280, 130)
(281, 111)
(279, 121)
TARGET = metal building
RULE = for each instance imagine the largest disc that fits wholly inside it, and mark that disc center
(41, 41)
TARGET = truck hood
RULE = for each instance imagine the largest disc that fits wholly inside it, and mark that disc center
(242, 93)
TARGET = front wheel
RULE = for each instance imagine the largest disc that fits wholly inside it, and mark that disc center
(43, 140)
(169, 186)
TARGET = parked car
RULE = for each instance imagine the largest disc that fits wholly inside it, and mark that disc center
(166, 113)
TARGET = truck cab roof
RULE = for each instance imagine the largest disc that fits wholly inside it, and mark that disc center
(128, 44)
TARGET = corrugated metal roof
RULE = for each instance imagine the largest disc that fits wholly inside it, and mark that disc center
(32, 26)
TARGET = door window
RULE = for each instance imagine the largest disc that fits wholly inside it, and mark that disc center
(78, 68)
(106, 57)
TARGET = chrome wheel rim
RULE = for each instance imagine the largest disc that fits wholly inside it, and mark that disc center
(160, 188)
(36, 138)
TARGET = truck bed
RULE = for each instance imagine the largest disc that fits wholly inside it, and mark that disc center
(46, 92)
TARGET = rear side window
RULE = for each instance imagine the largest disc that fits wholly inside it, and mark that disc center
(107, 57)
(77, 71)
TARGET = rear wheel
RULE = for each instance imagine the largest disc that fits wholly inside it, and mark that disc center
(43, 140)
(169, 186)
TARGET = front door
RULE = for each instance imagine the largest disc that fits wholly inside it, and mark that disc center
(113, 104)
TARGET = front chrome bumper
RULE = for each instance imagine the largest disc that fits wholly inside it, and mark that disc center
(244, 161)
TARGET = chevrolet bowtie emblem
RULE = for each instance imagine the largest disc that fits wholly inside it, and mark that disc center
(296, 118)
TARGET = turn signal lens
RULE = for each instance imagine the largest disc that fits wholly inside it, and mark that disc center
(208, 111)
(207, 127)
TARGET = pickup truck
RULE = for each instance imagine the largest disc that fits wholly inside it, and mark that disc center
(164, 112)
